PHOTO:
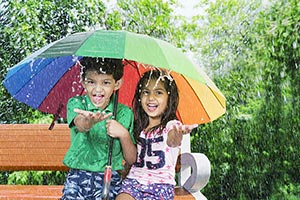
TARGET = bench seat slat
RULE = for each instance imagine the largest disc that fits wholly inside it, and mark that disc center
(46, 192)
(26, 192)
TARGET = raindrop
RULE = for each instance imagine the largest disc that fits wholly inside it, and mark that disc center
(71, 24)
(149, 79)
(294, 45)
(74, 86)
(75, 58)
(102, 71)
(31, 65)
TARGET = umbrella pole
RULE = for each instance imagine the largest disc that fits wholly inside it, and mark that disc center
(108, 172)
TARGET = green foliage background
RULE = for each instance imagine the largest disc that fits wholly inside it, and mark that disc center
(250, 48)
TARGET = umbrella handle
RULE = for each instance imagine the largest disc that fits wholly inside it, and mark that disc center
(106, 180)
(115, 118)
(115, 104)
(107, 173)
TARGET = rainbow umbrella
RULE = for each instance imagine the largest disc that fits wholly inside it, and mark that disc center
(49, 77)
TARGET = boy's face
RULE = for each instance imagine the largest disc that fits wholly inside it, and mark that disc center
(100, 87)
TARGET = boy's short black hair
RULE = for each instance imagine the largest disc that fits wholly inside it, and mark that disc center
(108, 66)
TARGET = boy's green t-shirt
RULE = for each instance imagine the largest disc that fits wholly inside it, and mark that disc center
(89, 151)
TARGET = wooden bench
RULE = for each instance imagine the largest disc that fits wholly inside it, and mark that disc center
(26, 147)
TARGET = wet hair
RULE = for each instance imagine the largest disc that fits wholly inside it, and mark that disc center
(140, 116)
(108, 66)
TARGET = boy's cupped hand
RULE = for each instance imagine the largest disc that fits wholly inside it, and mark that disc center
(95, 117)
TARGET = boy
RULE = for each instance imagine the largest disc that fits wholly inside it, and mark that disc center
(88, 119)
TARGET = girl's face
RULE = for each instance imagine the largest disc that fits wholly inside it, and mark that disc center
(100, 87)
(154, 99)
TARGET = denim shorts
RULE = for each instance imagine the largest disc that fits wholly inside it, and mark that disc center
(84, 185)
(142, 192)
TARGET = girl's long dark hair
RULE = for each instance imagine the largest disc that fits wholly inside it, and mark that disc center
(141, 117)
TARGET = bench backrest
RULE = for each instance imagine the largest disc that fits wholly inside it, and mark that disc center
(33, 147)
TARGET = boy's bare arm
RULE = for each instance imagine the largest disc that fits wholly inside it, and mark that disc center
(116, 130)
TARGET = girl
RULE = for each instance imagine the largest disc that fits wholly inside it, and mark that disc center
(158, 134)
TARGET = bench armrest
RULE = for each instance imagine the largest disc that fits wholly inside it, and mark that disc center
(195, 171)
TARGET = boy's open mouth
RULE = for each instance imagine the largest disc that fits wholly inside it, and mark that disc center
(97, 98)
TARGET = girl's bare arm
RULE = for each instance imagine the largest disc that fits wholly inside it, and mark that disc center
(176, 133)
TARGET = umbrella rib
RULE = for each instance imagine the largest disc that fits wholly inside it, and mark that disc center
(195, 94)
(134, 66)
(200, 100)
(216, 96)
(130, 63)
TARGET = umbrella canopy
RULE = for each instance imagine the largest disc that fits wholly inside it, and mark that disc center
(49, 77)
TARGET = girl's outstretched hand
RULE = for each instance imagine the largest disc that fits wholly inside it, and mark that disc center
(183, 129)
(176, 133)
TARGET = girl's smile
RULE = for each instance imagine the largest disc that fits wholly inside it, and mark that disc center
(152, 107)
